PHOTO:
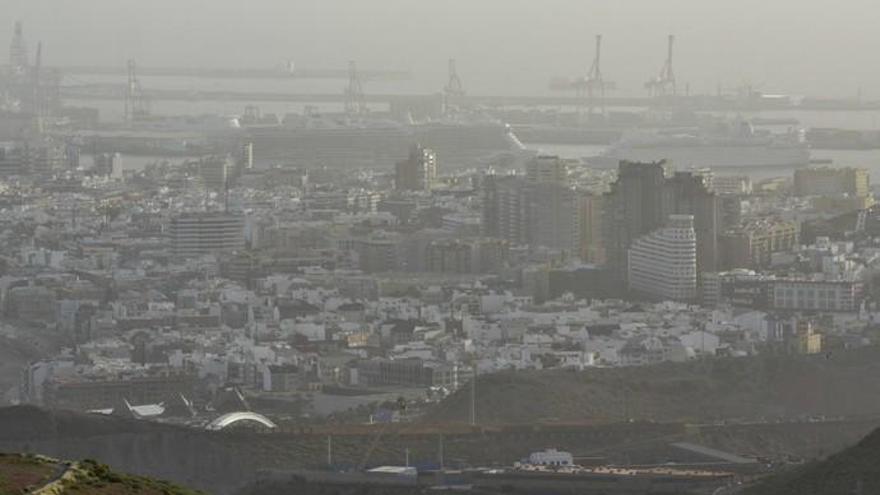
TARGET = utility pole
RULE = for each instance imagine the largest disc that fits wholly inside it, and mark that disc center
(441, 452)
(474, 395)
(329, 451)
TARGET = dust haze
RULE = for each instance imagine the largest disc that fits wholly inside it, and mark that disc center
(816, 47)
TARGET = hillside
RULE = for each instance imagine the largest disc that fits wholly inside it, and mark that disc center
(852, 471)
(765, 387)
(39, 475)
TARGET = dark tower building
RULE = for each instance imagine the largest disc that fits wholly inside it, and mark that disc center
(641, 200)
(633, 207)
(688, 195)
(418, 172)
(505, 208)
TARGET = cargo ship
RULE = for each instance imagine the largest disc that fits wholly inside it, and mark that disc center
(843, 139)
(733, 146)
(340, 141)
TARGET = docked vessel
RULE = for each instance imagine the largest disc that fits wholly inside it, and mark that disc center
(601, 129)
(734, 145)
(843, 139)
(339, 141)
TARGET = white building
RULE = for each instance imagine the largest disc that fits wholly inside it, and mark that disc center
(551, 457)
(663, 264)
(196, 234)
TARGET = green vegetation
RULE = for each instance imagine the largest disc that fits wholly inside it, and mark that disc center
(96, 478)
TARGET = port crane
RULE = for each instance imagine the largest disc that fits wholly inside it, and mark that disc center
(454, 87)
(589, 89)
(664, 83)
(18, 58)
(136, 103)
(593, 85)
(355, 103)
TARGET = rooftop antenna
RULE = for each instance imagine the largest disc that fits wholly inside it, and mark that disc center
(664, 83)
(454, 88)
(355, 103)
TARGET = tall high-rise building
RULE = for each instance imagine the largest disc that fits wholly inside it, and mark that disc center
(663, 263)
(752, 244)
(633, 207)
(246, 156)
(505, 209)
(196, 234)
(592, 243)
(472, 255)
(827, 181)
(538, 208)
(732, 185)
(546, 169)
(689, 194)
(642, 199)
(418, 172)
(378, 253)
(12, 160)
(217, 172)
(554, 217)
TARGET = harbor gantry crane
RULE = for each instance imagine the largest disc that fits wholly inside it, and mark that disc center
(355, 103)
(664, 83)
(592, 85)
(454, 87)
(136, 103)
(18, 58)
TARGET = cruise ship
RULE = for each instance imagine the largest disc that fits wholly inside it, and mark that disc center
(725, 145)
(340, 141)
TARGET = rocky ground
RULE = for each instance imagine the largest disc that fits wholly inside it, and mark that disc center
(38, 475)
(855, 470)
(764, 388)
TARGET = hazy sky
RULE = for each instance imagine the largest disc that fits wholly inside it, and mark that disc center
(799, 46)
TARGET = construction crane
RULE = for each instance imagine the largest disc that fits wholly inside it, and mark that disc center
(355, 103)
(136, 104)
(454, 88)
(664, 83)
